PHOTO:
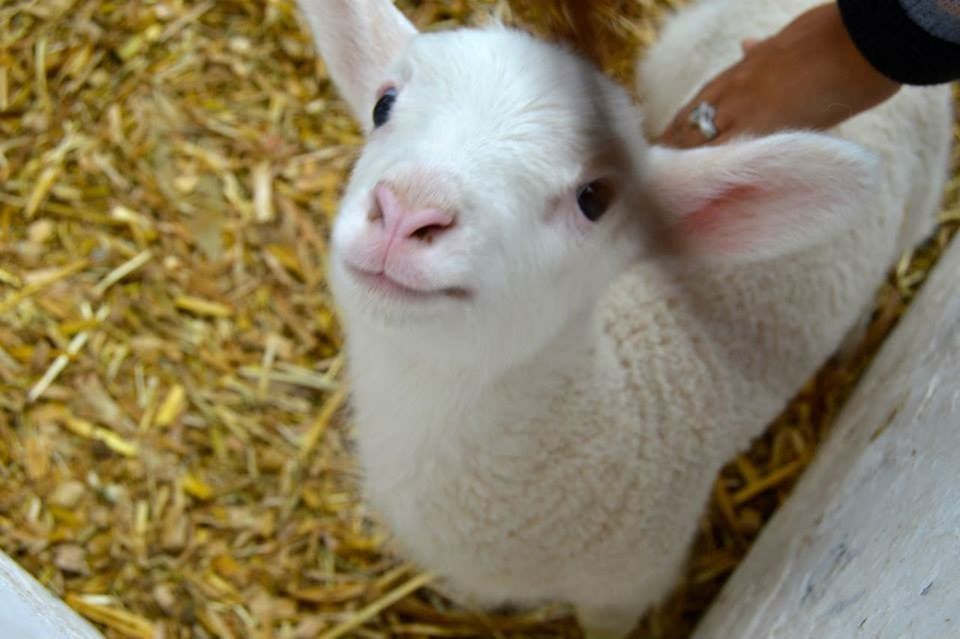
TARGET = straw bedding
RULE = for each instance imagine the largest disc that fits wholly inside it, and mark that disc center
(174, 460)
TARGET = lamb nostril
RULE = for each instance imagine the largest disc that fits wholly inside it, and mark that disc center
(427, 233)
(426, 225)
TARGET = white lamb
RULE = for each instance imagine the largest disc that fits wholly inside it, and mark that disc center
(543, 396)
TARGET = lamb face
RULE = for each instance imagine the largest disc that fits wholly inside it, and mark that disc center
(490, 200)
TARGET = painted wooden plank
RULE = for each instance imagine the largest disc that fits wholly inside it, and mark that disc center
(30, 611)
(869, 543)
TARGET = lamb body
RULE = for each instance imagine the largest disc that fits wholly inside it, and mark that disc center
(551, 428)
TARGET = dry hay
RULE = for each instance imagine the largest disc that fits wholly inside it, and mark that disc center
(173, 460)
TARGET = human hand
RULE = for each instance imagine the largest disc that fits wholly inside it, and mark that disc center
(810, 75)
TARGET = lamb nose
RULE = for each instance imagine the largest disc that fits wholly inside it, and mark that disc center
(419, 224)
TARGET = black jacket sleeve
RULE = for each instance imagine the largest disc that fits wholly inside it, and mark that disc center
(899, 47)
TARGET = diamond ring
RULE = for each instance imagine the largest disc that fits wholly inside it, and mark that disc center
(702, 117)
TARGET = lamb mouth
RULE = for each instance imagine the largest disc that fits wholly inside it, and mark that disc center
(383, 283)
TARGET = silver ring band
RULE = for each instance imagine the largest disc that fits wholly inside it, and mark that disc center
(703, 118)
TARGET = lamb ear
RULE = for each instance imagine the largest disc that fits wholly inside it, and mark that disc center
(357, 39)
(762, 198)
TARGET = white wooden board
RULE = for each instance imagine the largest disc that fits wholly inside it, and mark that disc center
(869, 543)
(30, 611)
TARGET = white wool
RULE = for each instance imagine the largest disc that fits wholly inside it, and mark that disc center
(555, 435)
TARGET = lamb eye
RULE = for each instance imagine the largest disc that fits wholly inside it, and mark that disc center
(594, 199)
(381, 110)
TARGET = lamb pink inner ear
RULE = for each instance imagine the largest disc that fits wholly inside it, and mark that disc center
(726, 223)
(762, 198)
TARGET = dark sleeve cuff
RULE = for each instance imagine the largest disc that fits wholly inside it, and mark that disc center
(896, 46)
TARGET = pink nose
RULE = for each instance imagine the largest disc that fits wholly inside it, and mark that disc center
(401, 224)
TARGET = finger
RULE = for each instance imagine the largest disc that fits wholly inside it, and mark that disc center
(670, 137)
(748, 43)
(684, 134)
(723, 138)
(674, 131)
(682, 137)
(686, 138)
